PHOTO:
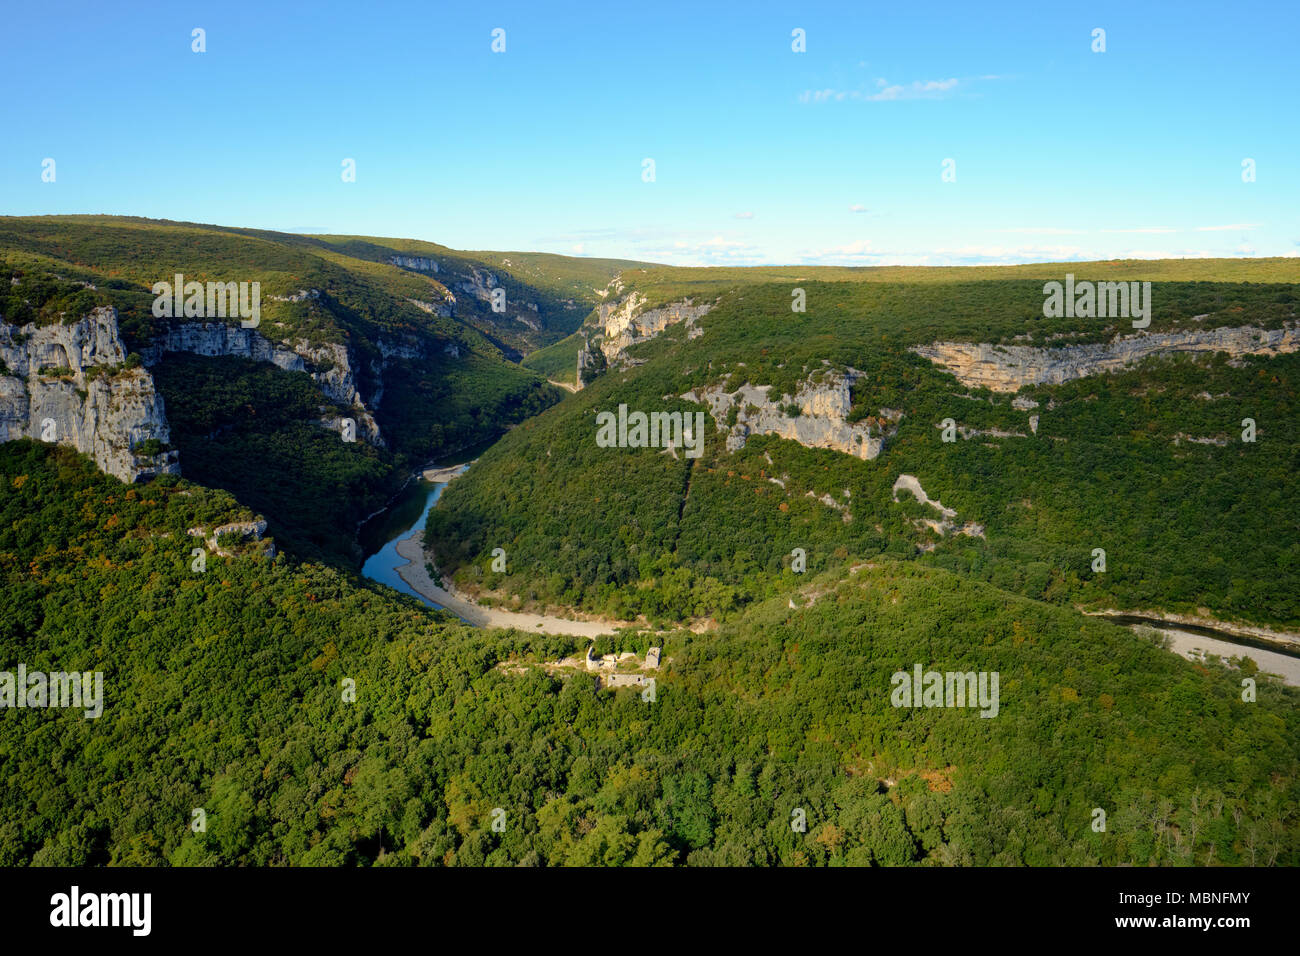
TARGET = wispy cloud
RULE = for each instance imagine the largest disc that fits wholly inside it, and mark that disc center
(858, 252)
(863, 253)
(1043, 231)
(743, 215)
(884, 91)
(694, 250)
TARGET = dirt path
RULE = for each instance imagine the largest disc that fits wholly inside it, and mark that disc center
(416, 575)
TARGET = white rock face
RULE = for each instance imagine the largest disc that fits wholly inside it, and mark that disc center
(822, 421)
(910, 484)
(623, 324)
(480, 284)
(245, 529)
(332, 365)
(1006, 368)
(418, 263)
(100, 416)
(443, 308)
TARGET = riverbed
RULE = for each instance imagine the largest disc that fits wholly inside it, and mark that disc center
(394, 544)
(402, 521)
(1194, 643)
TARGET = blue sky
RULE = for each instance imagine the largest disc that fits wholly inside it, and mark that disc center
(762, 155)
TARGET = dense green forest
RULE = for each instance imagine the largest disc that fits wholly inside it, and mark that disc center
(224, 691)
(1185, 525)
(316, 718)
(558, 362)
(254, 430)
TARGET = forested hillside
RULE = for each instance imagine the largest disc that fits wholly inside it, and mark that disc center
(1148, 465)
(225, 691)
(310, 717)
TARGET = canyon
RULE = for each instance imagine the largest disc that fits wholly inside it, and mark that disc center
(71, 383)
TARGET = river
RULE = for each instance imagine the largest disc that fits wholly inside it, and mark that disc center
(402, 520)
(393, 543)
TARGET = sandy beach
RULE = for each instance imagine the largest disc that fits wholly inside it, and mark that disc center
(444, 475)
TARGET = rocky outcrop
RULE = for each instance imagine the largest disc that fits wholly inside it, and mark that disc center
(821, 421)
(244, 529)
(483, 283)
(479, 284)
(441, 309)
(1006, 368)
(70, 384)
(302, 295)
(623, 324)
(329, 364)
(910, 484)
(591, 362)
(417, 263)
(968, 433)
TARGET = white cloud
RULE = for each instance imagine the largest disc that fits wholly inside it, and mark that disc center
(863, 253)
(916, 90)
(1148, 229)
(682, 250)
(857, 207)
(854, 252)
(744, 215)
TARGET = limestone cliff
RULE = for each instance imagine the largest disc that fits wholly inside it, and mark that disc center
(417, 263)
(330, 365)
(245, 530)
(821, 422)
(1006, 368)
(623, 323)
(69, 384)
